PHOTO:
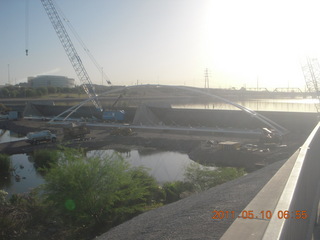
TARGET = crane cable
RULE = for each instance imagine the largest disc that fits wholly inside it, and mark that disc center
(27, 27)
(74, 32)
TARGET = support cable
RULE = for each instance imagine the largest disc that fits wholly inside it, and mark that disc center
(27, 28)
(85, 48)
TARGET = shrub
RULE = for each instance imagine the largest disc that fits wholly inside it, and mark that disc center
(4, 163)
(3, 200)
(16, 215)
(94, 192)
(203, 178)
(44, 158)
(173, 190)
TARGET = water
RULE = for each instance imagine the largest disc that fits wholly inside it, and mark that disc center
(28, 179)
(163, 166)
(10, 136)
(285, 105)
(22, 164)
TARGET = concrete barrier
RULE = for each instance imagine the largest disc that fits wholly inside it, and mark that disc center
(287, 207)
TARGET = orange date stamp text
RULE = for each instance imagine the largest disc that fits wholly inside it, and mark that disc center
(250, 214)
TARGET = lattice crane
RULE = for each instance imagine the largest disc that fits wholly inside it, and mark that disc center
(311, 72)
(71, 52)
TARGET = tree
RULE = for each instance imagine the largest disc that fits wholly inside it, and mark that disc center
(52, 89)
(41, 91)
(95, 191)
(30, 92)
(5, 92)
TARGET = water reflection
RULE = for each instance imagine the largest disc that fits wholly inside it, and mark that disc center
(23, 177)
(286, 105)
(163, 166)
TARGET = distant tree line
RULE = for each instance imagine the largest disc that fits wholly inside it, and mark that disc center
(28, 92)
(18, 91)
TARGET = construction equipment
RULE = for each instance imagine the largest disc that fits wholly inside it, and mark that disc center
(42, 136)
(71, 52)
(311, 72)
(270, 136)
(74, 130)
(121, 132)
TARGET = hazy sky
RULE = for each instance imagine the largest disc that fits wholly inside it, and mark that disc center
(166, 41)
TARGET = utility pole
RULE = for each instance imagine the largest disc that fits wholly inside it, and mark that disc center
(9, 74)
(101, 75)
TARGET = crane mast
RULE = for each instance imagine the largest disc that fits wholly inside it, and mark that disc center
(71, 52)
(311, 72)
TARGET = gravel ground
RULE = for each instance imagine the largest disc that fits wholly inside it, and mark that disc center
(191, 218)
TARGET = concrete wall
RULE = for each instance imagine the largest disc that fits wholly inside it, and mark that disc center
(293, 121)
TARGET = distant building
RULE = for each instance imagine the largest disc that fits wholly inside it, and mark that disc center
(51, 80)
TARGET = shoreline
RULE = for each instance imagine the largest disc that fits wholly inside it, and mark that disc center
(193, 145)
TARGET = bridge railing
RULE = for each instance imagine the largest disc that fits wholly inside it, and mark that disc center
(287, 206)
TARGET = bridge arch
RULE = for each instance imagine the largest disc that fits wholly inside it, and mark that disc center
(281, 130)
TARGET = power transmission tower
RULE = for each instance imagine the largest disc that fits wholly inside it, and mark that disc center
(206, 78)
(311, 72)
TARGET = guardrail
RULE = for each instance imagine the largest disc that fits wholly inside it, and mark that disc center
(287, 206)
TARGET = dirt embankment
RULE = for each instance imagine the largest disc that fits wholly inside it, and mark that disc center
(195, 146)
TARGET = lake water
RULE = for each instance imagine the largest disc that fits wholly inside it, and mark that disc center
(285, 105)
(23, 167)
(163, 166)
(28, 177)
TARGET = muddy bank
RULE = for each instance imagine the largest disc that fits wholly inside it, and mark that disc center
(193, 145)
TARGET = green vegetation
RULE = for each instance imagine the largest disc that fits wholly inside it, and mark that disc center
(44, 158)
(197, 179)
(174, 190)
(4, 163)
(202, 178)
(81, 198)
(28, 92)
(85, 196)
(43, 92)
(93, 192)
(20, 214)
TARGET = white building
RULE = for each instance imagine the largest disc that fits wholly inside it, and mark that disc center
(51, 80)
